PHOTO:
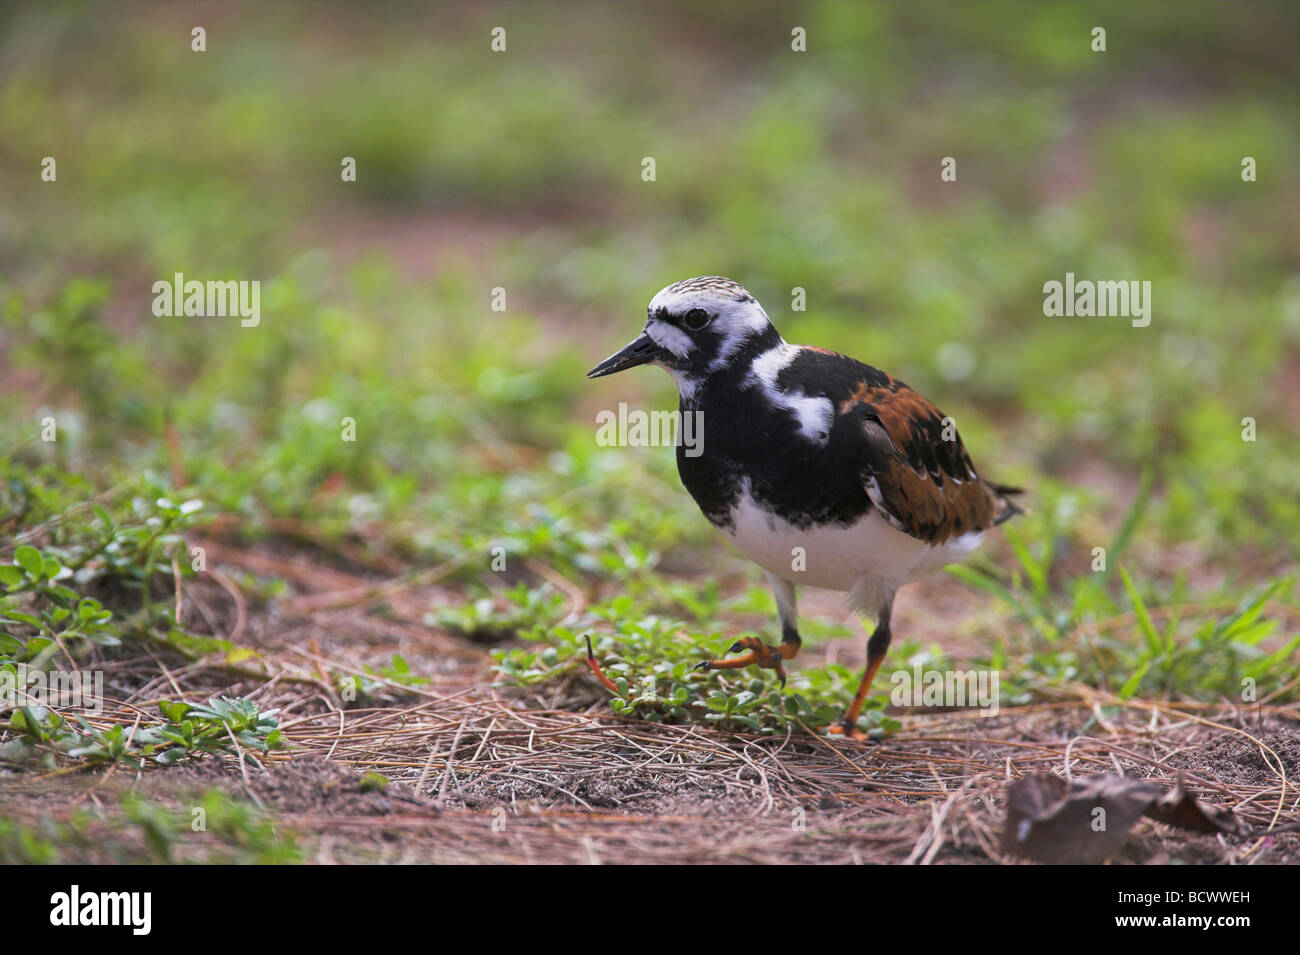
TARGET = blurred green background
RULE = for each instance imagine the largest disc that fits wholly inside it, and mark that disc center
(522, 170)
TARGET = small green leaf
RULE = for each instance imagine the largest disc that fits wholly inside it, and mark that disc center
(30, 560)
(174, 711)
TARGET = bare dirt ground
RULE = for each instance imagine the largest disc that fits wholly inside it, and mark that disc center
(479, 773)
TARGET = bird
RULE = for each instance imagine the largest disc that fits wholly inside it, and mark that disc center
(821, 469)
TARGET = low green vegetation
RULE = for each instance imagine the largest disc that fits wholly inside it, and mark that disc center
(474, 429)
(221, 725)
(214, 829)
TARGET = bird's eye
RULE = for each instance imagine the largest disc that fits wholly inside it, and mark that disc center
(696, 319)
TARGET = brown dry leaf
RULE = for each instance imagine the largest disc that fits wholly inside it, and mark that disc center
(1085, 821)
(1178, 808)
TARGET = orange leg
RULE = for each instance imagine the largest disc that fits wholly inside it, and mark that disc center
(760, 654)
(877, 647)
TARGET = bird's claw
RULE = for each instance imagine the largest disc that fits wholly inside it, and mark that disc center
(848, 732)
(599, 673)
(757, 653)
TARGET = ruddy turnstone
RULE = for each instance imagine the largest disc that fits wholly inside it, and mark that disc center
(822, 470)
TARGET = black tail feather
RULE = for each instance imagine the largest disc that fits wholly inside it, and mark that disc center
(1006, 492)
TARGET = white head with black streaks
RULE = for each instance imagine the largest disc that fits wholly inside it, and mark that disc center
(694, 329)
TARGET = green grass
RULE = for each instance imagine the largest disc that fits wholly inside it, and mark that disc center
(475, 428)
(135, 830)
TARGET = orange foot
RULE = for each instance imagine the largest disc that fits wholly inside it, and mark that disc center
(760, 654)
(848, 732)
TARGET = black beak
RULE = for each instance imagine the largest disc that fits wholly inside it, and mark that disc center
(642, 350)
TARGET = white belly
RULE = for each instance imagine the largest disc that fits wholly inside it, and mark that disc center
(869, 559)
